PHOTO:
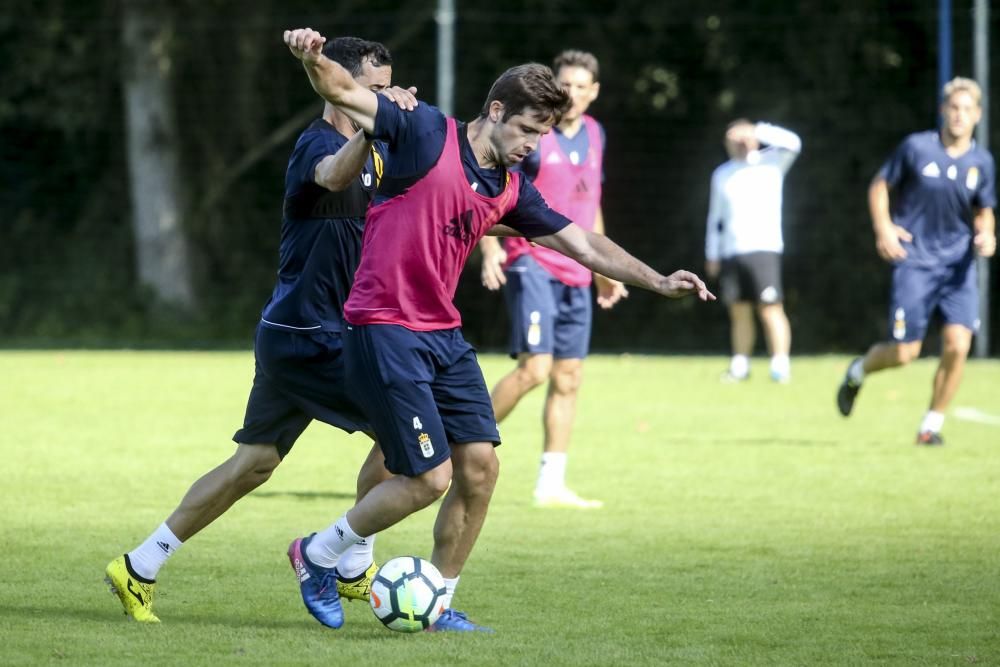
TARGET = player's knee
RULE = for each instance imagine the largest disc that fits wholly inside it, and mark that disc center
(434, 483)
(252, 465)
(907, 352)
(534, 373)
(568, 380)
(478, 470)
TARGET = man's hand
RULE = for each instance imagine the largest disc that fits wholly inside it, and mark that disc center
(305, 44)
(887, 242)
(682, 283)
(985, 244)
(405, 98)
(609, 291)
(712, 268)
(492, 271)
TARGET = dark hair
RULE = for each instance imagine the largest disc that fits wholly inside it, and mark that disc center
(351, 52)
(529, 86)
(573, 58)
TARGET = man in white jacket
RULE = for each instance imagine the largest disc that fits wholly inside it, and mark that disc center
(743, 242)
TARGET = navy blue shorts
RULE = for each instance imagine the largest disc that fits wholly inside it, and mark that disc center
(298, 378)
(547, 316)
(423, 391)
(917, 291)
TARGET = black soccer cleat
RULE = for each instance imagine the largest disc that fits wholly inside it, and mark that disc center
(848, 391)
(929, 438)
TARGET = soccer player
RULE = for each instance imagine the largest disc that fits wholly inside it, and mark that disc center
(445, 185)
(299, 361)
(547, 293)
(941, 217)
(743, 241)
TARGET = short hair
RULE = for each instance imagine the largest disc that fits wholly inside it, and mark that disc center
(351, 53)
(962, 85)
(531, 86)
(574, 58)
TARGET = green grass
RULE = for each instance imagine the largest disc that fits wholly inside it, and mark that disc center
(744, 524)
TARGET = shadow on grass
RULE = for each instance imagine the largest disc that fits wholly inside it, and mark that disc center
(304, 495)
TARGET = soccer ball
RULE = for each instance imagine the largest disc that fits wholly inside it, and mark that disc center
(406, 594)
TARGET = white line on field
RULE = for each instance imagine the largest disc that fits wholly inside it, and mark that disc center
(976, 415)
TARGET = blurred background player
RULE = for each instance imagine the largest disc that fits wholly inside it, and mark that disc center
(547, 293)
(298, 351)
(941, 217)
(743, 241)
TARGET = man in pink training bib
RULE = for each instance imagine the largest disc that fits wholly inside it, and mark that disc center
(445, 185)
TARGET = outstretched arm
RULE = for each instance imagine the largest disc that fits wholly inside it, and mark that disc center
(602, 255)
(609, 291)
(331, 81)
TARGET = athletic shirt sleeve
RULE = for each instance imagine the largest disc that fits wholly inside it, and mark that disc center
(894, 169)
(413, 141)
(986, 195)
(532, 215)
(312, 147)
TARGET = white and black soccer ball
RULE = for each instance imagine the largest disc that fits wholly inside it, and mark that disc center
(407, 593)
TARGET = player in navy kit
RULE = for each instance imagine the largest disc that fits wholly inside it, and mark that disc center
(300, 372)
(446, 184)
(940, 219)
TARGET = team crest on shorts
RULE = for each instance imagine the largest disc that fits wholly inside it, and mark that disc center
(899, 325)
(426, 446)
(535, 329)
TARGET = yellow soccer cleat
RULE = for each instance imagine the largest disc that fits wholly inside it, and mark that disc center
(134, 592)
(358, 588)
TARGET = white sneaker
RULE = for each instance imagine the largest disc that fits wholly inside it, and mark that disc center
(564, 498)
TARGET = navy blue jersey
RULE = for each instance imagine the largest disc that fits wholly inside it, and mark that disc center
(320, 238)
(575, 147)
(936, 195)
(415, 140)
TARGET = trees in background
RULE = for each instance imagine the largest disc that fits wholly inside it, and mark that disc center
(143, 148)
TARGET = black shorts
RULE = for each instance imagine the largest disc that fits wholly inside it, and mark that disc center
(298, 378)
(754, 276)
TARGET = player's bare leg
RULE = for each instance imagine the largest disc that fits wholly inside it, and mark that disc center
(559, 415)
(531, 371)
(464, 508)
(216, 491)
(880, 356)
(742, 335)
(459, 521)
(955, 343)
(778, 334)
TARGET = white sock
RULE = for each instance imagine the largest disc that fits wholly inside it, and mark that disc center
(357, 559)
(147, 559)
(933, 421)
(326, 546)
(739, 365)
(552, 473)
(856, 372)
(781, 364)
(450, 585)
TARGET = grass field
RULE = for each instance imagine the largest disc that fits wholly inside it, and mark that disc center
(743, 525)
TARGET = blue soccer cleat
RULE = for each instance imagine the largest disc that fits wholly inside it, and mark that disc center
(318, 585)
(455, 621)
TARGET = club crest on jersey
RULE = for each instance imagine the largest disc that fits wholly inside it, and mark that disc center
(972, 178)
(952, 172)
(366, 180)
(426, 446)
(931, 170)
